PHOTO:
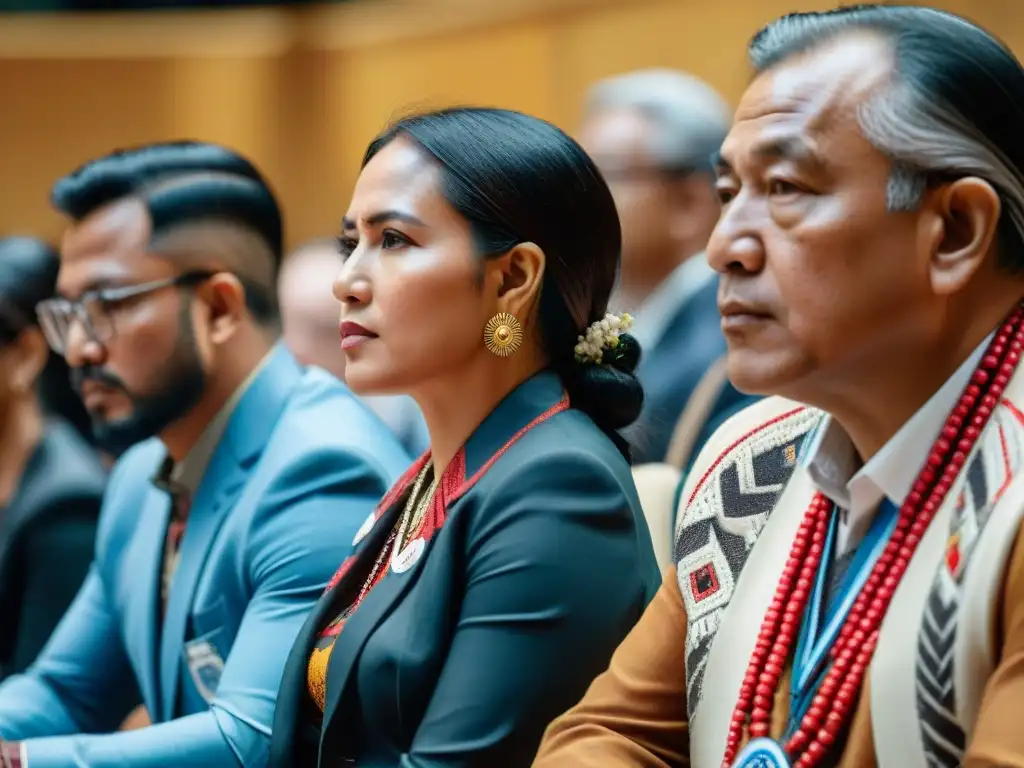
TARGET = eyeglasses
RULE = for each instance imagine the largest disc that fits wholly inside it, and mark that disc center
(94, 309)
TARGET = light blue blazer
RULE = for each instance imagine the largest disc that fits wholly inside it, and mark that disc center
(300, 467)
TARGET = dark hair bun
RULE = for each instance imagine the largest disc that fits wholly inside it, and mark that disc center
(626, 355)
(610, 393)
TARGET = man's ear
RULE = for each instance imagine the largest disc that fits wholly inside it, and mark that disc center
(224, 294)
(962, 230)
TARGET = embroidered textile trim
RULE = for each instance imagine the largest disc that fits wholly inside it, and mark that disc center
(453, 485)
(722, 520)
(998, 458)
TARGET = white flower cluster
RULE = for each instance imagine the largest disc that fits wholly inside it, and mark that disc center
(600, 336)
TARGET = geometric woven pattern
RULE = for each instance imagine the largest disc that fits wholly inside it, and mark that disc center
(989, 471)
(944, 740)
(721, 522)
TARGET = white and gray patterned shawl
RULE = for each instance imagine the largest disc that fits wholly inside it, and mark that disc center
(935, 652)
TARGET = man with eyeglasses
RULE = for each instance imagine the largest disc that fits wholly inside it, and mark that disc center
(249, 479)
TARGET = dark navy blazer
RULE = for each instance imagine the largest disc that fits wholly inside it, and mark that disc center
(542, 566)
(47, 532)
(671, 369)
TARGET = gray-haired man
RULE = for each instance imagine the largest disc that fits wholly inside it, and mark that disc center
(652, 133)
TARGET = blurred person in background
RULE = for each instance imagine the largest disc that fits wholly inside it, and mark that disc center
(246, 480)
(51, 480)
(496, 577)
(652, 133)
(309, 311)
(58, 397)
(309, 317)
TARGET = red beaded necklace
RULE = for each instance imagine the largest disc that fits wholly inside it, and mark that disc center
(850, 655)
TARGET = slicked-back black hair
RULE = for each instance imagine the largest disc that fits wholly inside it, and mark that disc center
(184, 182)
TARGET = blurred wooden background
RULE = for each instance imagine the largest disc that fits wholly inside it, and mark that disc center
(302, 91)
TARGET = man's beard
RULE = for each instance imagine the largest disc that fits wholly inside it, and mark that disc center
(182, 384)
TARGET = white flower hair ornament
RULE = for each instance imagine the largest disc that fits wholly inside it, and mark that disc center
(601, 339)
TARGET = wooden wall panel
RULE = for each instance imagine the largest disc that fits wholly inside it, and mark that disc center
(57, 113)
(707, 39)
(508, 66)
(302, 91)
(305, 182)
(227, 100)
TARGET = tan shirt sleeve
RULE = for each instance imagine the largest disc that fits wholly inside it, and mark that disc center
(998, 736)
(635, 713)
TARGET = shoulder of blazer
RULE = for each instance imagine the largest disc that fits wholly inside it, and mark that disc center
(567, 448)
(324, 418)
(570, 432)
(81, 474)
(751, 423)
(65, 471)
(62, 483)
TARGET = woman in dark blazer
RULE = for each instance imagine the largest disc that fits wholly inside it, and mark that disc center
(496, 578)
(51, 481)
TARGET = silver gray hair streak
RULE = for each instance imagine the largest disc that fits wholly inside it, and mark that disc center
(691, 119)
(925, 137)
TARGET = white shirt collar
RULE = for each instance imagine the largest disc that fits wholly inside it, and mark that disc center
(832, 463)
(654, 315)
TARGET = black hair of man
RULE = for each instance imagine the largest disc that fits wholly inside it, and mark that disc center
(189, 183)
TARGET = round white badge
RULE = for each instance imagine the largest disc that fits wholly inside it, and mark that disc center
(364, 529)
(406, 559)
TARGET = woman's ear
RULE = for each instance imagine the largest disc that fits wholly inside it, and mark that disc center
(520, 274)
(967, 212)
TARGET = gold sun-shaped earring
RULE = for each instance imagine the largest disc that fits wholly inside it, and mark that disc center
(503, 334)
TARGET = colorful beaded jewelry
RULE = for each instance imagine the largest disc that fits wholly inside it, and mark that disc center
(837, 694)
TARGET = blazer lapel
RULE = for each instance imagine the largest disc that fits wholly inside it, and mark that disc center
(375, 606)
(222, 482)
(532, 402)
(19, 509)
(146, 564)
(32, 492)
(342, 589)
(248, 431)
(293, 689)
(12, 518)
